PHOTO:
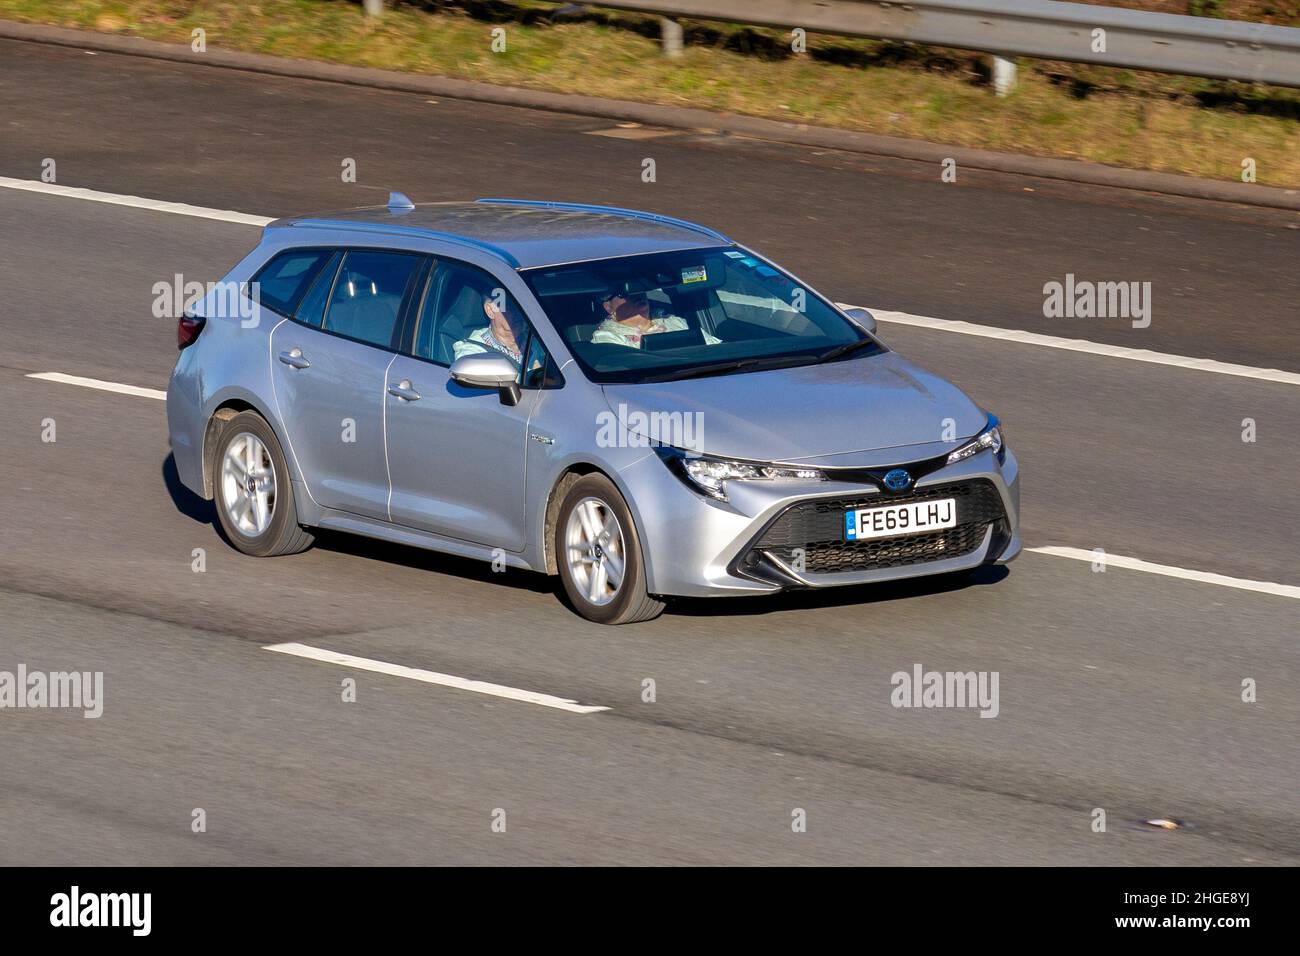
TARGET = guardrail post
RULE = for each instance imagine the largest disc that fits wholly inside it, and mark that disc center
(671, 33)
(374, 8)
(1004, 75)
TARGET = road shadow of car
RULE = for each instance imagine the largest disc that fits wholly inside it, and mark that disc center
(470, 569)
(203, 511)
(813, 598)
(187, 502)
(198, 509)
(420, 559)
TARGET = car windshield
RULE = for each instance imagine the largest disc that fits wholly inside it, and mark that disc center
(674, 315)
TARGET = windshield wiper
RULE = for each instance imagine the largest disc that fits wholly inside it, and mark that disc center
(700, 371)
(845, 349)
(725, 368)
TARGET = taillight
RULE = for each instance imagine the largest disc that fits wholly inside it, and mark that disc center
(188, 329)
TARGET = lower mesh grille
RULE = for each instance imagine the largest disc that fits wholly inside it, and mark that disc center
(817, 527)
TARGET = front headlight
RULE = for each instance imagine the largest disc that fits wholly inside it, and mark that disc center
(710, 475)
(989, 440)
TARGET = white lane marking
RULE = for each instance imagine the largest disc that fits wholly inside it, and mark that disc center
(1202, 577)
(135, 390)
(1082, 345)
(433, 677)
(884, 315)
(1076, 554)
(138, 202)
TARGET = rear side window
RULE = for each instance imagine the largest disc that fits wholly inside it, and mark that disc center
(282, 281)
(368, 293)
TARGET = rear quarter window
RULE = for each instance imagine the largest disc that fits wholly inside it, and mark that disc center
(281, 282)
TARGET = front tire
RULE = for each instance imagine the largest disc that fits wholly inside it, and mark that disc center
(254, 496)
(598, 552)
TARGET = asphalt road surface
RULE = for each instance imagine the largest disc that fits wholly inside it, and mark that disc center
(1119, 690)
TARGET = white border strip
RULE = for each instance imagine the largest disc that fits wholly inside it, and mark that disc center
(135, 390)
(1081, 345)
(137, 202)
(1202, 577)
(433, 677)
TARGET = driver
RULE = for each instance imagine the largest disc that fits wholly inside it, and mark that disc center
(505, 332)
(629, 318)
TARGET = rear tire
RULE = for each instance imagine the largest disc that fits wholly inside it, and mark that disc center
(598, 552)
(252, 490)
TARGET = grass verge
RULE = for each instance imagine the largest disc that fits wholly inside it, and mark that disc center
(1124, 118)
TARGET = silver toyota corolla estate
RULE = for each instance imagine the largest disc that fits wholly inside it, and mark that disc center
(634, 403)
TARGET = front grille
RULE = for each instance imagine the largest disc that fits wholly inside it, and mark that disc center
(818, 528)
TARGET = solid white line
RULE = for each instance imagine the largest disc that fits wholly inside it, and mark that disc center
(1202, 577)
(883, 315)
(1081, 345)
(1076, 554)
(433, 677)
(138, 202)
(135, 390)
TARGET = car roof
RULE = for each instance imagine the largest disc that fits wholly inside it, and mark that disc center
(523, 233)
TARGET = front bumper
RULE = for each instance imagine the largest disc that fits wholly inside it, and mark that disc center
(804, 545)
(772, 536)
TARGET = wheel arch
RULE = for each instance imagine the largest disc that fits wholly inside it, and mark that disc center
(633, 602)
(226, 408)
(571, 473)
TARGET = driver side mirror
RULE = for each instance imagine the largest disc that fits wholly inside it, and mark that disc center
(488, 370)
(863, 318)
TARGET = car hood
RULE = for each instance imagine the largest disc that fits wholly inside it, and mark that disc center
(862, 412)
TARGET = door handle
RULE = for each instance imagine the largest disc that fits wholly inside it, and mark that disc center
(295, 358)
(403, 391)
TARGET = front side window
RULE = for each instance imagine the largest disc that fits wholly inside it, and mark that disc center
(541, 371)
(701, 312)
(369, 289)
(466, 311)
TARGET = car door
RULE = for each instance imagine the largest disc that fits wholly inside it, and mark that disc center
(329, 364)
(456, 455)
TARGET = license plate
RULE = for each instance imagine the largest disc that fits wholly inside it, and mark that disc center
(915, 517)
